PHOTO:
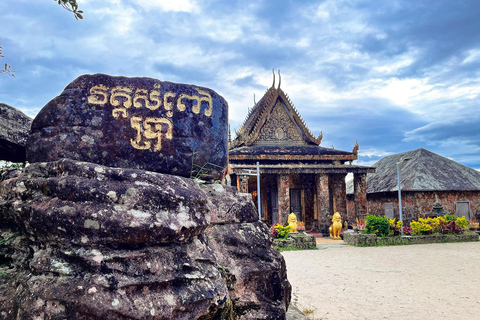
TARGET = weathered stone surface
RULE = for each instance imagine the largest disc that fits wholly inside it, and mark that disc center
(228, 206)
(99, 242)
(88, 204)
(137, 123)
(259, 286)
(295, 314)
(14, 129)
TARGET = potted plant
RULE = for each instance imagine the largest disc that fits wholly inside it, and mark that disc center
(300, 226)
(473, 225)
(360, 225)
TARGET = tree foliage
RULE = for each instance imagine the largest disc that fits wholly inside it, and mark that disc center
(70, 5)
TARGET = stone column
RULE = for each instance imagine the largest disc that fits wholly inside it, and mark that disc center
(242, 183)
(323, 200)
(283, 185)
(360, 194)
(340, 194)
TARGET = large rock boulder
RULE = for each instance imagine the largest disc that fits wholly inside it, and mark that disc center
(14, 129)
(99, 242)
(137, 123)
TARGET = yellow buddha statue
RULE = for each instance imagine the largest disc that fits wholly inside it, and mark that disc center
(292, 222)
(336, 226)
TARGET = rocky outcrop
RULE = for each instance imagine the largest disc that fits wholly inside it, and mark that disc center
(14, 129)
(137, 123)
(99, 242)
(106, 222)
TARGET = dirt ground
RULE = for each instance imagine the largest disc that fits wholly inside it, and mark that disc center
(427, 281)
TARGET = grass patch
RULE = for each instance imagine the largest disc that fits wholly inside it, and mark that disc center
(295, 248)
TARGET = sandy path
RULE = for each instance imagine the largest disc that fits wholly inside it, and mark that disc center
(429, 281)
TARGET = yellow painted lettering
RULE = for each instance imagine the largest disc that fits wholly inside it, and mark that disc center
(137, 143)
(153, 130)
(208, 99)
(99, 94)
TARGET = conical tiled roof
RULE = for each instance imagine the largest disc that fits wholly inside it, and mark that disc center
(425, 171)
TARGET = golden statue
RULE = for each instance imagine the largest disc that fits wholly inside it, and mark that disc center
(292, 222)
(336, 226)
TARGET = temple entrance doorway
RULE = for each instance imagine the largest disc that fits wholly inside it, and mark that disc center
(296, 203)
(274, 205)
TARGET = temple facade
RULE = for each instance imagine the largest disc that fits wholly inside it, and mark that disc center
(296, 173)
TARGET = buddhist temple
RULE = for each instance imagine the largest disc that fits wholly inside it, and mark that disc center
(296, 173)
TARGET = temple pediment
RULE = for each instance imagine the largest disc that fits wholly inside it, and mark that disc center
(274, 121)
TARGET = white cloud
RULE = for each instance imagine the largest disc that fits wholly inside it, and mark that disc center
(169, 5)
(372, 152)
(402, 91)
(472, 56)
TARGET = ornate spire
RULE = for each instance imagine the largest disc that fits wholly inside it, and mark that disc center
(273, 84)
(279, 79)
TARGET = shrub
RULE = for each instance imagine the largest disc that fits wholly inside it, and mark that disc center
(407, 230)
(378, 225)
(279, 231)
(443, 225)
(395, 228)
(449, 217)
(422, 227)
(454, 228)
(462, 222)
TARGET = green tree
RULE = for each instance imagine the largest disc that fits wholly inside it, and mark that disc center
(70, 5)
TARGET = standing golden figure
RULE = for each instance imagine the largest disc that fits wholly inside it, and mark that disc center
(292, 222)
(336, 226)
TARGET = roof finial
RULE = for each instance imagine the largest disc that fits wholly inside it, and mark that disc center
(319, 138)
(254, 102)
(355, 148)
(273, 84)
(279, 79)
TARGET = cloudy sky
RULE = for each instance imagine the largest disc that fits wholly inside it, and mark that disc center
(394, 75)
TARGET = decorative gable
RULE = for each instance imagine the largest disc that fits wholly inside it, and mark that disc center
(274, 121)
(279, 128)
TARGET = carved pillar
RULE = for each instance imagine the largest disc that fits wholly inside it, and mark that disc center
(340, 194)
(242, 183)
(323, 200)
(283, 185)
(360, 193)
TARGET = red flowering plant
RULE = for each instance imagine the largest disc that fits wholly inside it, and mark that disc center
(454, 228)
(407, 230)
(274, 231)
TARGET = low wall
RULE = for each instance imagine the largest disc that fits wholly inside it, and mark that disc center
(298, 240)
(358, 239)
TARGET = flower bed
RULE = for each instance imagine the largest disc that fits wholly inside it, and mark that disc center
(364, 240)
(296, 241)
(381, 230)
(283, 239)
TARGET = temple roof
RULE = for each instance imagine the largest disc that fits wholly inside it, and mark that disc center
(262, 111)
(425, 171)
(273, 127)
(306, 150)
